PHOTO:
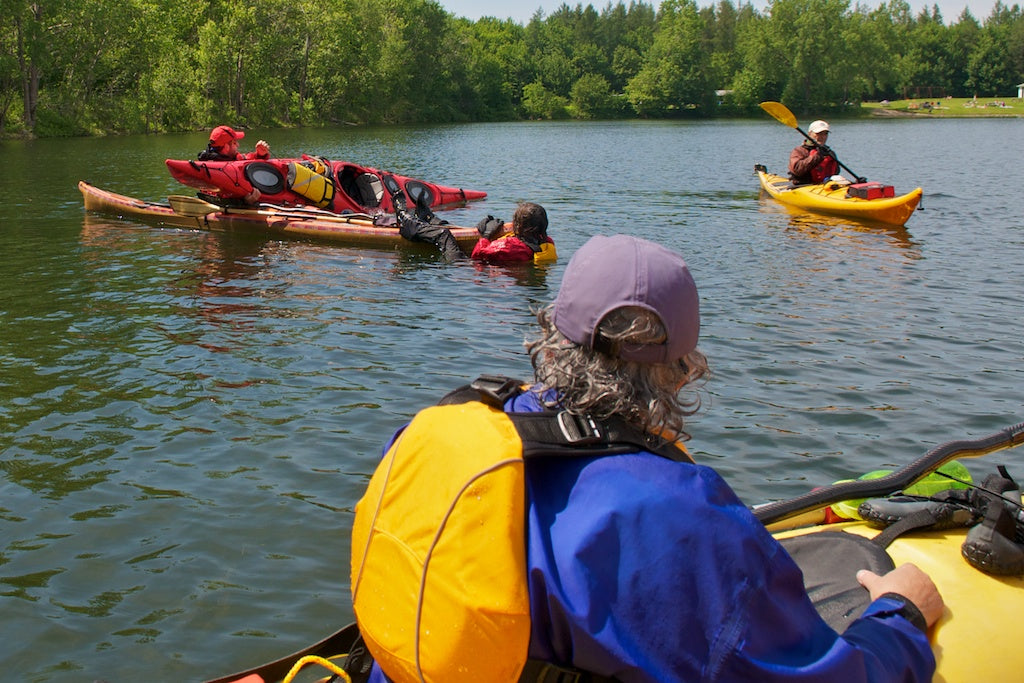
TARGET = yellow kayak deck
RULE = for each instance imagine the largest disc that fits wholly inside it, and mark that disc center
(830, 198)
(978, 636)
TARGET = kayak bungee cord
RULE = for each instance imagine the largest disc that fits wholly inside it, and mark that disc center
(1009, 437)
(314, 659)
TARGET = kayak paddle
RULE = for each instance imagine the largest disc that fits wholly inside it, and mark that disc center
(194, 207)
(783, 115)
(897, 481)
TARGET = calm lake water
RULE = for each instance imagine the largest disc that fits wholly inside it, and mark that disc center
(187, 419)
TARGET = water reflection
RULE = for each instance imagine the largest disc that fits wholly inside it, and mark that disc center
(822, 227)
(188, 417)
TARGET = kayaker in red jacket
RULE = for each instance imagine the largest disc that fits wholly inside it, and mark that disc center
(223, 146)
(524, 239)
(813, 162)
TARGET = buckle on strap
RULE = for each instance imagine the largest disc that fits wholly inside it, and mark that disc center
(549, 673)
(494, 390)
(579, 430)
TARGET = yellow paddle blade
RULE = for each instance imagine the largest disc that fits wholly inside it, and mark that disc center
(780, 113)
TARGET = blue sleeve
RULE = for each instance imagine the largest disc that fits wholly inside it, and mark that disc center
(649, 570)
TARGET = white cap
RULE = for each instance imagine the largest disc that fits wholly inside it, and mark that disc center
(818, 126)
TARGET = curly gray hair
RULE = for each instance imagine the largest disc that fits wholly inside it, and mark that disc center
(594, 383)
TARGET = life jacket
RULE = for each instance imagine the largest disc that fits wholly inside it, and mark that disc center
(826, 169)
(439, 585)
(510, 247)
(547, 253)
(212, 153)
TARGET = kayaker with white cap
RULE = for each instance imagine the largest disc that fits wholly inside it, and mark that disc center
(813, 162)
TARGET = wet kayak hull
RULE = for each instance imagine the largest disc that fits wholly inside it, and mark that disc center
(283, 222)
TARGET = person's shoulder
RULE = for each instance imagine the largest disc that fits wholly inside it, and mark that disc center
(530, 400)
(655, 473)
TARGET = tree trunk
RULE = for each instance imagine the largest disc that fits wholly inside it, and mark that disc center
(304, 77)
(239, 85)
(29, 72)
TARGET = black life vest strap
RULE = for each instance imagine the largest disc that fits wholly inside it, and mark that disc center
(560, 432)
(538, 671)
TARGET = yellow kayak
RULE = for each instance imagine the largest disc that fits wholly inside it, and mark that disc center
(976, 639)
(832, 198)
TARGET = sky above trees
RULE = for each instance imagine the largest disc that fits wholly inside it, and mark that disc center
(521, 10)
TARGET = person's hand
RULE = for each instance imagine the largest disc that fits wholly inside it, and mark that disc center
(910, 582)
(825, 151)
(262, 148)
(490, 227)
(253, 196)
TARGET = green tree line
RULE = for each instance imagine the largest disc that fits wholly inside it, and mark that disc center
(86, 67)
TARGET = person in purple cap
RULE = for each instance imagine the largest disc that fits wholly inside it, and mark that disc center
(646, 567)
(223, 146)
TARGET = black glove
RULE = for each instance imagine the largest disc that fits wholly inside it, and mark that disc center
(490, 226)
(826, 151)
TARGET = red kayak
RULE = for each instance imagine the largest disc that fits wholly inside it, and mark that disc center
(313, 181)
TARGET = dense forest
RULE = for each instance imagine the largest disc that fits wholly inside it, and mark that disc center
(84, 67)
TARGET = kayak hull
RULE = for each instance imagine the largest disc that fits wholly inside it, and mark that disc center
(831, 199)
(281, 222)
(289, 182)
(976, 639)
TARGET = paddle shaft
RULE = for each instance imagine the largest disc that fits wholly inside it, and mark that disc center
(194, 207)
(897, 481)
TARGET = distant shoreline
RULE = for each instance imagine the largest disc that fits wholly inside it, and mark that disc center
(950, 108)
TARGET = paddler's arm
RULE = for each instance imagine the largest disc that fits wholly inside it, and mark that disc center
(801, 162)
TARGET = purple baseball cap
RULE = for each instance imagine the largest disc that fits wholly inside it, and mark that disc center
(608, 273)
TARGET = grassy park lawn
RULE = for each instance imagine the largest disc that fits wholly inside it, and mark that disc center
(954, 107)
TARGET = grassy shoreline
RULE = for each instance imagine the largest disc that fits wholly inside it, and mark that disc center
(953, 107)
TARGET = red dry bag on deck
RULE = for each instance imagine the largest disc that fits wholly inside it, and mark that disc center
(870, 190)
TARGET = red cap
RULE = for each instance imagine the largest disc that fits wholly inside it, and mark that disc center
(222, 135)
